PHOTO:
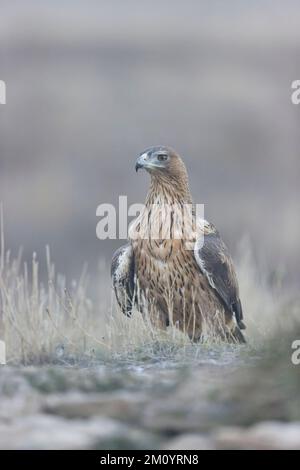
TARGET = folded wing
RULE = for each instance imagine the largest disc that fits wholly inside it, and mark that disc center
(215, 262)
(122, 274)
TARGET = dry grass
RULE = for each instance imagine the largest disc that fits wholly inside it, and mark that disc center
(57, 323)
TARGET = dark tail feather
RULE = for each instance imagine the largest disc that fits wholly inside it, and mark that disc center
(238, 311)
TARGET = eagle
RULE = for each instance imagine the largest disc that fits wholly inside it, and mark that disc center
(176, 270)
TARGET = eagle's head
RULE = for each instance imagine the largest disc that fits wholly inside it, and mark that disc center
(161, 161)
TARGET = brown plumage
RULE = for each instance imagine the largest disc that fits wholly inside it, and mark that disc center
(175, 268)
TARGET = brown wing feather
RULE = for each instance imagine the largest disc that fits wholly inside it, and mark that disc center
(215, 262)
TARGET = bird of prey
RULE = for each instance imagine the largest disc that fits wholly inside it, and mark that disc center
(190, 285)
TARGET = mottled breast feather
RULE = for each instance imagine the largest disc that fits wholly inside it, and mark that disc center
(122, 274)
(214, 261)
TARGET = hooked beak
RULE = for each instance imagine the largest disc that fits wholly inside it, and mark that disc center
(138, 166)
(141, 161)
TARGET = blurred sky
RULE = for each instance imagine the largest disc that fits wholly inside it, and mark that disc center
(90, 84)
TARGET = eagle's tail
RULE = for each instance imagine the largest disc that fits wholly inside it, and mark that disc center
(238, 311)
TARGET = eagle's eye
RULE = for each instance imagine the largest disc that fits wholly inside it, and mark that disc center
(162, 157)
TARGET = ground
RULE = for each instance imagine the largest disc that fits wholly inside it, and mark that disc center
(197, 398)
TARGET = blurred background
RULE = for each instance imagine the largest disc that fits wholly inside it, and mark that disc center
(90, 84)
